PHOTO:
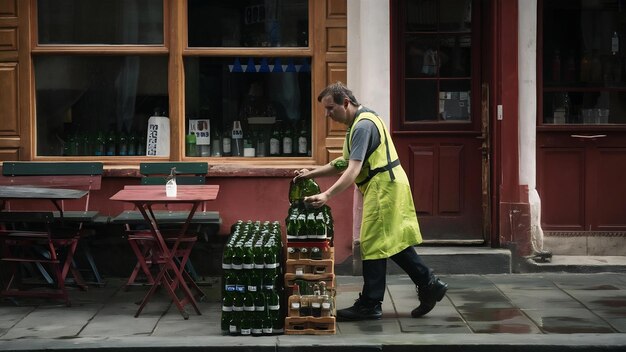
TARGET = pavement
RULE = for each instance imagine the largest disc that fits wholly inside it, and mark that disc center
(492, 312)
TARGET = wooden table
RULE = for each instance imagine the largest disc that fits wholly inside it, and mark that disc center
(144, 198)
(55, 195)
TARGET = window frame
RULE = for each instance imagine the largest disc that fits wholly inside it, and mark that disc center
(176, 47)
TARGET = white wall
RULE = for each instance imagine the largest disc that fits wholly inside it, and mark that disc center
(368, 54)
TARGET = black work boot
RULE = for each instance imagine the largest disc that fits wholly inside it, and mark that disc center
(362, 309)
(429, 296)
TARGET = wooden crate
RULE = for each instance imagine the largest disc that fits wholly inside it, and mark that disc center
(328, 252)
(310, 326)
(297, 312)
(301, 267)
(290, 279)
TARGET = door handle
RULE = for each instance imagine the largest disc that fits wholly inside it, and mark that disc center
(584, 136)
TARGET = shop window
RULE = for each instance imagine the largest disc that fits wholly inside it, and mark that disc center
(583, 62)
(97, 105)
(437, 69)
(100, 22)
(248, 107)
(248, 23)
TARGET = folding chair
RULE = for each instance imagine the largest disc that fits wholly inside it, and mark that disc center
(21, 233)
(142, 242)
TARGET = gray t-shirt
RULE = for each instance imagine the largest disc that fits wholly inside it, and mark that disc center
(365, 139)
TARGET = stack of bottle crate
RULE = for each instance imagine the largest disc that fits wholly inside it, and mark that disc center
(252, 291)
(309, 267)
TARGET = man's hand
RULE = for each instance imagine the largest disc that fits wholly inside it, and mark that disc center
(301, 174)
(317, 200)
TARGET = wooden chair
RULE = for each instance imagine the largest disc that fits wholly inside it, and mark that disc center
(20, 234)
(142, 242)
(75, 175)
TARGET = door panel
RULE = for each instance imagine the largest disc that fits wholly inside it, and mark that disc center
(608, 189)
(562, 198)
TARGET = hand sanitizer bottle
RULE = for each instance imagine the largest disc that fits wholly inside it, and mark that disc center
(170, 185)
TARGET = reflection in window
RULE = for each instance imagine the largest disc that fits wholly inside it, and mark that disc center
(438, 60)
(100, 22)
(254, 107)
(248, 23)
(97, 105)
(584, 65)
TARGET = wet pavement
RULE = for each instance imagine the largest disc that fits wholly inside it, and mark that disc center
(555, 311)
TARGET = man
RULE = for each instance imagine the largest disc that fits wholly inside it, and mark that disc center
(389, 228)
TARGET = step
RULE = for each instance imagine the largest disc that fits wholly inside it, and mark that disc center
(577, 264)
(450, 260)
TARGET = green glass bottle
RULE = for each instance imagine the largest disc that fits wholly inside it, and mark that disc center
(310, 224)
(301, 225)
(320, 225)
(237, 258)
(234, 326)
(227, 310)
(260, 311)
(248, 256)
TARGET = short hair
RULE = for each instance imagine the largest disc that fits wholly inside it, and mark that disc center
(338, 91)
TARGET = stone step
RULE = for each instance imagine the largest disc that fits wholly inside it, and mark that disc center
(576, 264)
(449, 260)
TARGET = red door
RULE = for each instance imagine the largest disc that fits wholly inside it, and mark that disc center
(436, 114)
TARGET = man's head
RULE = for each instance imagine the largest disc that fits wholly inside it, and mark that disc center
(339, 102)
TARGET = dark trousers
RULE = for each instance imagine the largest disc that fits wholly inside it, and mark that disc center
(375, 273)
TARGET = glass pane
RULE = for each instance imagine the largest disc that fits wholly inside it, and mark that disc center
(456, 56)
(455, 100)
(455, 15)
(97, 105)
(421, 16)
(422, 56)
(584, 43)
(248, 23)
(589, 108)
(257, 107)
(100, 22)
(421, 100)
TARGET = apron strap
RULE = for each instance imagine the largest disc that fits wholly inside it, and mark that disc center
(374, 172)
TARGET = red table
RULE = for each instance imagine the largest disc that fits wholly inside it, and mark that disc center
(144, 198)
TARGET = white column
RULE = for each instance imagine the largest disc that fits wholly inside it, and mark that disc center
(368, 67)
(527, 57)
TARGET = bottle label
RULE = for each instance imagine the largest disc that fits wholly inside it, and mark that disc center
(274, 146)
(257, 331)
(237, 308)
(248, 266)
(232, 328)
(248, 308)
(226, 145)
(236, 266)
(251, 288)
(231, 288)
(259, 308)
(271, 265)
(302, 145)
(287, 145)
(269, 287)
(295, 305)
(241, 288)
(227, 308)
(245, 331)
(226, 266)
(316, 305)
(267, 331)
(273, 307)
(259, 266)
